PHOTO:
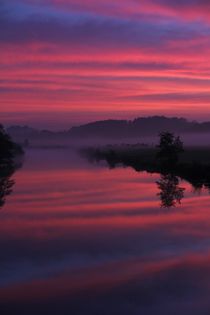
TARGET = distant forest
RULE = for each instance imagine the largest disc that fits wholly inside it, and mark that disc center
(118, 129)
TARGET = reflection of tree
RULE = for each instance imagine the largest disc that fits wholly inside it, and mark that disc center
(170, 193)
(5, 188)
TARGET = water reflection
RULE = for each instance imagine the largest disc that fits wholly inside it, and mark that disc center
(6, 181)
(78, 238)
(170, 193)
(6, 185)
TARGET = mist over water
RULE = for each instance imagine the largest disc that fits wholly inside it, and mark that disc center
(80, 238)
(189, 139)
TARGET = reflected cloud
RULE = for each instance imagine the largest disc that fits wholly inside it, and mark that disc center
(130, 287)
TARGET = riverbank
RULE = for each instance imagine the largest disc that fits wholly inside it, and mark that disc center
(193, 164)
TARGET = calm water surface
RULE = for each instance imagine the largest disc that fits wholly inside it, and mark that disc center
(78, 238)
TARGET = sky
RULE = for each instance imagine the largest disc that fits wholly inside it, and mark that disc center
(65, 62)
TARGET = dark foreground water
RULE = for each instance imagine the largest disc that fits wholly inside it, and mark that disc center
(79, 239)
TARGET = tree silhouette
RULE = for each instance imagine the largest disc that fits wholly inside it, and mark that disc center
(169, 148)
(8, 165)
(8, 149)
